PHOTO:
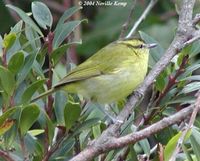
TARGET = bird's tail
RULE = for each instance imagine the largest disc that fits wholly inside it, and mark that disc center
(50, 91)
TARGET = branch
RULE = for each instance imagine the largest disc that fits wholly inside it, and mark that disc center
(142, 17)
(196, 36)
(133, 137)
(185, 132)
(184, 31)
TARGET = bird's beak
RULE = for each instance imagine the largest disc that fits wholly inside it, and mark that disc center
(151, 45)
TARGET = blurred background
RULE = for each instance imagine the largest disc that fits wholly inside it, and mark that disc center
(104, 21)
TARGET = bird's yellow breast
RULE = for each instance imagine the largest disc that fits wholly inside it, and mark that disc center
(113, 86)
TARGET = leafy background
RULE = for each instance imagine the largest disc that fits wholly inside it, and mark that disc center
(31, 132)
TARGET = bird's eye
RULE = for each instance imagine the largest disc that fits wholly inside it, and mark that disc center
(141, 46)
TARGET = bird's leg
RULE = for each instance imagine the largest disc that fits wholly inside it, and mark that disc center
(112, 107)
(107, 113)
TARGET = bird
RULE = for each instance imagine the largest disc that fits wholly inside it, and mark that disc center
(110, 75)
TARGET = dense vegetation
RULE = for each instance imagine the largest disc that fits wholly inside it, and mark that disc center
(40, 48)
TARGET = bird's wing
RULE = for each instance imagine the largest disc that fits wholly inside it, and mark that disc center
(92, 67)
(84, 71)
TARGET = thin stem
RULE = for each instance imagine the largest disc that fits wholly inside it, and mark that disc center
(49, 105)
(50, 74)
(185, 132)
(196, 19)
(4, 60)
(126, 24)
(142, 17)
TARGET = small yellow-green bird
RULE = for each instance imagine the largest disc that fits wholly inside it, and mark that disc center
(110, 75)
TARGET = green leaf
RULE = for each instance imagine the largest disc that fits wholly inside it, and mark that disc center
(155, 53)
(86, 125)
(29, 115)
(60, 51)
(187, 153)
(32, 37)
(18, 27)
(38, 69)
(96, 131)
(16, 62)
(42, 14)
(67, 14)
(133, 154)
(191, 78)
(36, 132)
(9, 40)
(25, 18)
(34, 146)
(29, 60)
(194, 86)
(161, 81)
(72, 112)
(28, 93)
(188, 71)
(25, 44)
(7, 80)
(46, 122)
(63, 31)
(195, 142)
(195, 48)
(182, 100)
(145, 146)
(67, 146)
(171, 146)
(60, 101)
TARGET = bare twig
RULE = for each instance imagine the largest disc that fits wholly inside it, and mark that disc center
(126, 24)
(196, 19)
(195, 38)
(191, 122)
(49, 41)
(151, 152)
(142, 17)
(108, 139)
(49, 104)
